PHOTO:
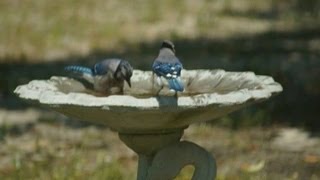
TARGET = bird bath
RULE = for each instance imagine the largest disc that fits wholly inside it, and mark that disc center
(152, 125)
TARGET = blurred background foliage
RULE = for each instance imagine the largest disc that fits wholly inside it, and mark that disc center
(280, 38)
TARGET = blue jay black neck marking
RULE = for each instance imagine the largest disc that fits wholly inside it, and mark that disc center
(168, 44)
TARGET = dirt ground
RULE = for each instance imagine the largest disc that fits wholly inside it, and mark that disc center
(44, 145)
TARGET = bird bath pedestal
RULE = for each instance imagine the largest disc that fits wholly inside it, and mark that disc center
(152, 125)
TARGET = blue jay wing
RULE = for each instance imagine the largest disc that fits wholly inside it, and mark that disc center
(178, 67)
(100, 69)
(163, 69)
(84, 72)
(171, 72)
(105, 66)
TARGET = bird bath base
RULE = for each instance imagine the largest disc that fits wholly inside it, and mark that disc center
(152, 125)
(163, 155)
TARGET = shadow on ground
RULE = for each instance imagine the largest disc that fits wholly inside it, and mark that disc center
(290, 57)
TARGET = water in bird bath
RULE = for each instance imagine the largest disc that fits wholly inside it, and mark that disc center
(196, 82)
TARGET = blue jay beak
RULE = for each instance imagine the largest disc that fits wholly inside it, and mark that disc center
(129, 82)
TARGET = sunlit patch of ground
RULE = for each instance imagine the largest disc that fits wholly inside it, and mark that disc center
(56, 150)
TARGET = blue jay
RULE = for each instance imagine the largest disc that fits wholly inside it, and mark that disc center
(167, 65)
(107, 76)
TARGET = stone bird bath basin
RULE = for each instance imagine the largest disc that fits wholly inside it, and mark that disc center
(152, 124)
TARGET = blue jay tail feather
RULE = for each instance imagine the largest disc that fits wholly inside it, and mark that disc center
(79, 69)
(175, 84)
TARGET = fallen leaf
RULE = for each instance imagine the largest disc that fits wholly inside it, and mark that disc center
(312, 159)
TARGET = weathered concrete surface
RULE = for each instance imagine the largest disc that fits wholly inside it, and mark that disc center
(209, 94)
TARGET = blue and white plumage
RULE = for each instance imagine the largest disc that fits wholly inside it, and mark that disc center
(107, 76)
(168, 66)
